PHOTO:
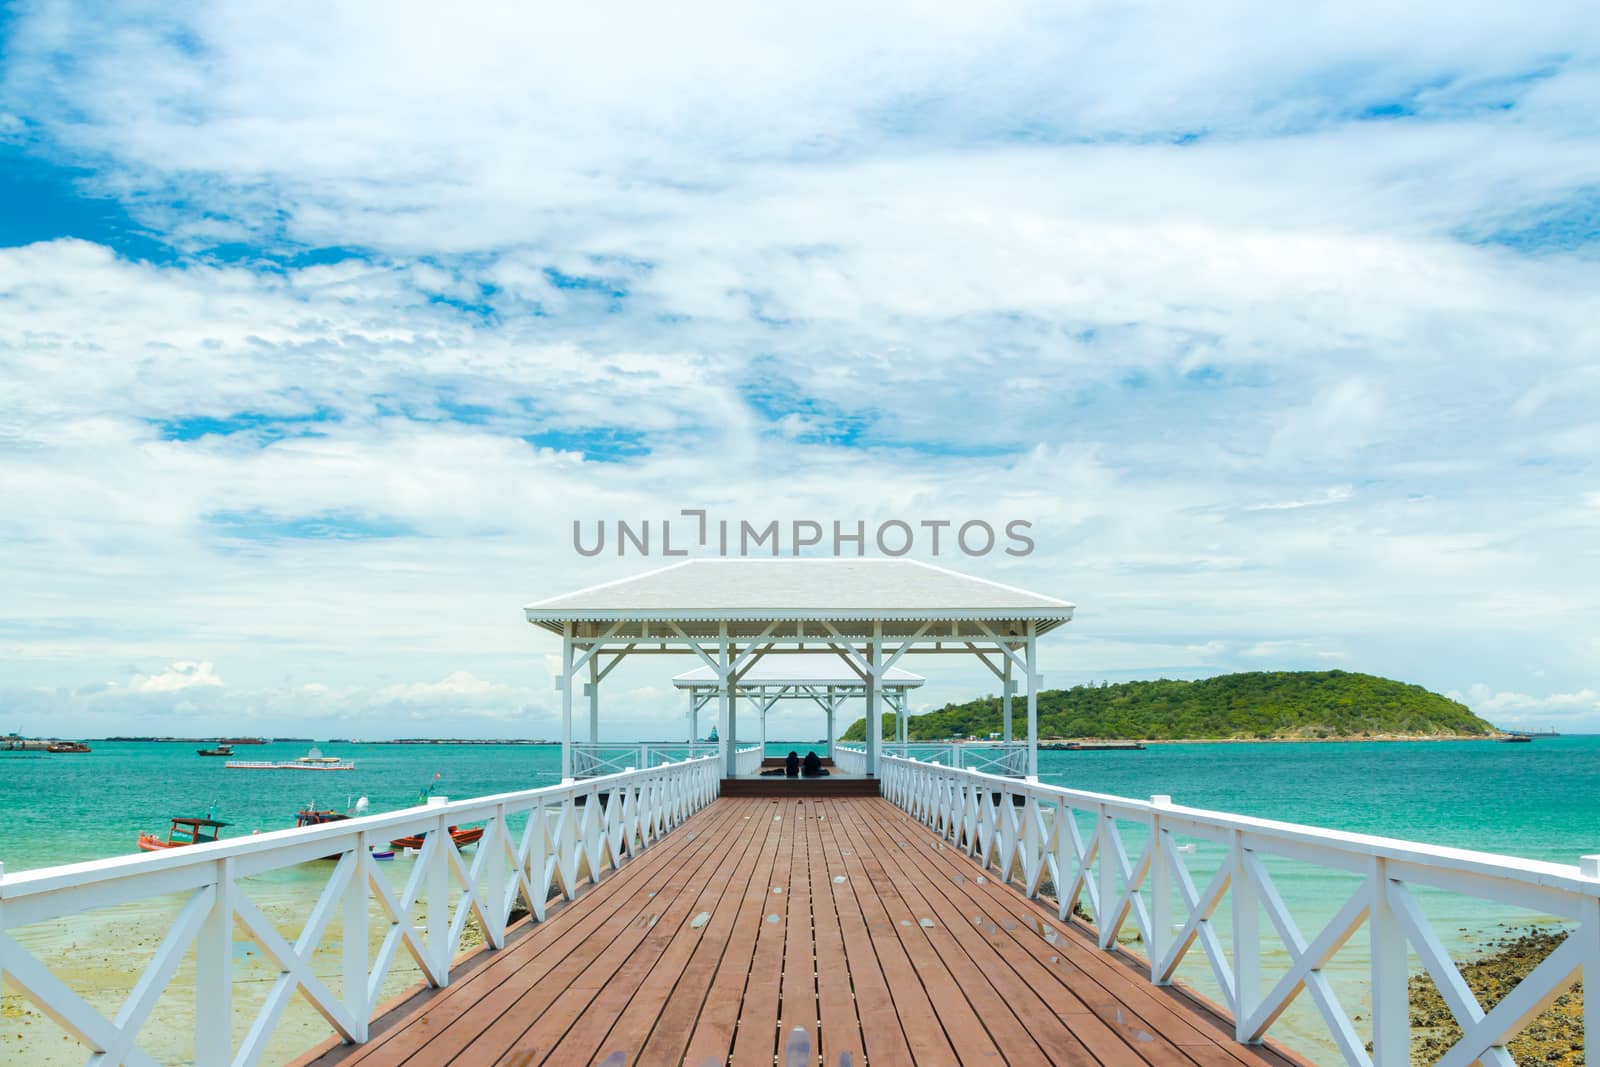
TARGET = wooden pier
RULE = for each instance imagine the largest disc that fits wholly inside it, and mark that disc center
(842, 916)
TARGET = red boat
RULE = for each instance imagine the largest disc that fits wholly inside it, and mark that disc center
(183, 832)
(460, 835)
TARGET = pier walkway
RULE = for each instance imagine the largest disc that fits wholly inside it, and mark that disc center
(841, 915)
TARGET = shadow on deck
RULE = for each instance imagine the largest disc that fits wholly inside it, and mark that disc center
(841, 916)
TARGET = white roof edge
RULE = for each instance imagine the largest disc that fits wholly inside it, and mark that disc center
(608, 585)
(537, 614)
(986, 581)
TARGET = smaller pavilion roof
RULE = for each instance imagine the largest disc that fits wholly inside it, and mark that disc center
(798, 669)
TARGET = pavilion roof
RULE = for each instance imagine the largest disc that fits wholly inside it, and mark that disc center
(766, 590)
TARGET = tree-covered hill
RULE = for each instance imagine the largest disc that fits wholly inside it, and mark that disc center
(1259, 704)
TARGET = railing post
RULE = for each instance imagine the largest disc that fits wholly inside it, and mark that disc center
(438, 876)
(496, 906)
(1106, 877)
(213, 974)
(1246, 940)
(1160, 889)
(1588, 933)
(354, 948)
(1066, 858)
(1391, 1005)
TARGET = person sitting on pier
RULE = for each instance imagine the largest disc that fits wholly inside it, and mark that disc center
(791, 764)
(811, 767)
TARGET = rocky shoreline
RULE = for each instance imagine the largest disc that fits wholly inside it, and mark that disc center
(1555, 1038)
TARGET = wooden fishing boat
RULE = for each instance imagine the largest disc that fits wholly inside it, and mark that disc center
(183, 831)
(311, 815)
(220, 750)
(461, 835)
(67, 746)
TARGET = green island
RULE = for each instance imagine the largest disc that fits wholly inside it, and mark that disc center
(1252, 706)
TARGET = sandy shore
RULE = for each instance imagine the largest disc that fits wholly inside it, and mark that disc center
(101, 954)
(1555, 1038)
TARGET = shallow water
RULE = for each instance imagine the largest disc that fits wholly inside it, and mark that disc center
(1538, 800)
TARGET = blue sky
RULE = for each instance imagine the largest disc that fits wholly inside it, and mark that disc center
(317, 329)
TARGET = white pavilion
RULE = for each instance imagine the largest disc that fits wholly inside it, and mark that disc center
(860, 616)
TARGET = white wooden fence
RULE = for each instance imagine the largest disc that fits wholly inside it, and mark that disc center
(849, 759)
(571, 835)
(590, 759)
(990, 757)
(1030, 832)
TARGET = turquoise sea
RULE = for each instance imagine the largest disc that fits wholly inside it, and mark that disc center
(1540, 800)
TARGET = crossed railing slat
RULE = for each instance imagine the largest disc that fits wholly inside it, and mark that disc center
(1027, 832)
(571, 836)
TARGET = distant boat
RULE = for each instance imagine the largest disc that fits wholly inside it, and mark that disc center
(1092, 746)
(220, 750)
(183, 831)
(241, 741)
(1512, 739)
(67, 746)
(311, 761)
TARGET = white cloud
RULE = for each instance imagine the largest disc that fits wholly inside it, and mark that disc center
(1520, 708)
(178, 677)
(1269, 381)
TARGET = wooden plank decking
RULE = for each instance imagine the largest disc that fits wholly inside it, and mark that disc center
(840, 915)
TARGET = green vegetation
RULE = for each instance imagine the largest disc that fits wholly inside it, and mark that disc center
(1257, 705)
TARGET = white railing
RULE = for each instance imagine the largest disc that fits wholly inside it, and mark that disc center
(570, 834)
(748, 761)
(850, 760)
(590, 760)
(990, 757)
(1031, 835)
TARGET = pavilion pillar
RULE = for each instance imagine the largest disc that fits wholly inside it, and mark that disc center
(899, 703)
(593, 692)
(564, 683)
(1033, 703)
(694, 715)
(725, 705)
(833, 704)
(766, 706)
(874, 703)
(1005, 701)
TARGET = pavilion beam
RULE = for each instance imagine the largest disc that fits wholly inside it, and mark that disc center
(615, 659)
(724, 669)
(592, 648)
(758, 647)
(1005, 704)
(592, 691)
(874, 708)
(565, 682)
(1033, 703)
(984, 659)
(833, 705)
(1004, 643)
(905, 647)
